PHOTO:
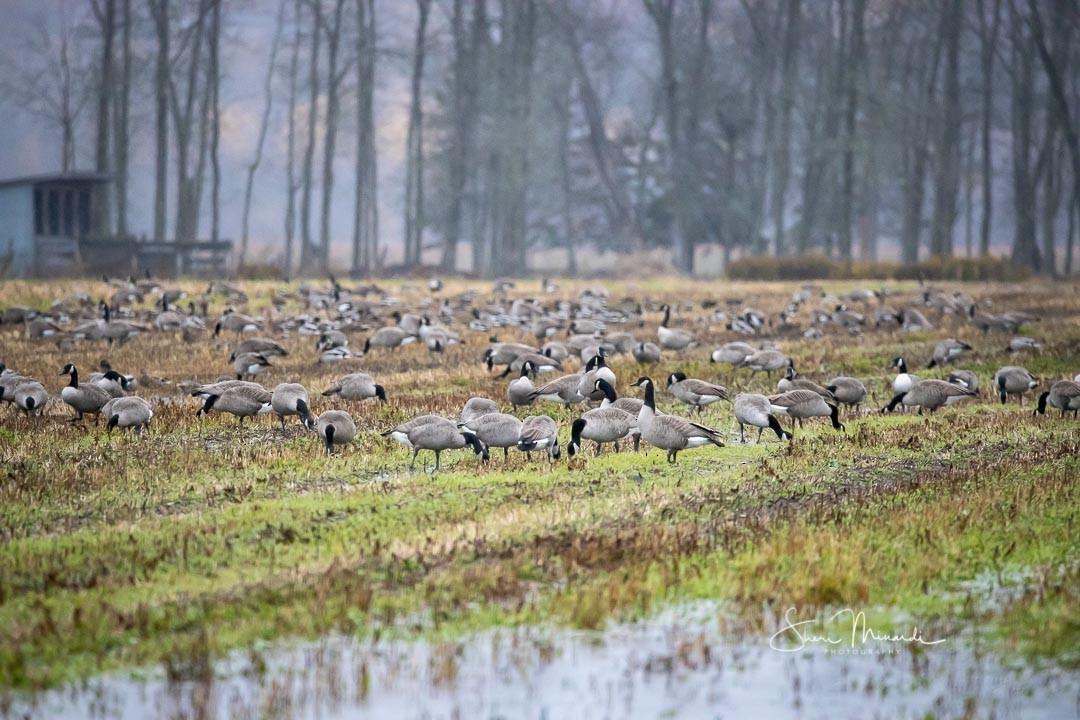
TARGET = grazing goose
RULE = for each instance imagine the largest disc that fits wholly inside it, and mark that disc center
(400, 433)
(912, 320)
(496, 430)
(766, 361)
(1063, 395)
(755, 410)
(1022, 344)
(332, 339)
(646, 353)
(112, 382)
(791, 381)
(903, 381)
(519, 390)
(848, 390)
(356, 386)
(555, 350)
(602, 425)
(87, 398)
(623, 342)
(236, 322)
(539, 432)
(128, 412)
(440, 434)
(131, 382)
(505, 353)
(1013, 380)
(947, 351)
(477, 406)
(236, 397)
(596, 369)
(291, 399)
(965, 379)
(389, 337)
(629, 405)
(30, 396)
(541, 364)
(930, 394)
(562, 390)
(335, 354)
(695, 393)
(732, 353)
(335, 427)
(8, 382)
(802, 404)
(669, 432)
(673, 338)
(259, 346)
(248, 365)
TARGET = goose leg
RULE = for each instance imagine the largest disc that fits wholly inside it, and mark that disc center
(415, 452)
(506, 456)
(438, 460)
(759, 431)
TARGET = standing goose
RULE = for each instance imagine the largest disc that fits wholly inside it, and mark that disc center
(673, 338)
(965, 379)
(8, 382)
(596, 369)
(732, 353)
(539, 432)
(1063, 395)
(335, 354)
(335, 427)
(356, 386)
(30, 396)
(755, 410)
(561, 390)
(389, 337)
(847, 390)
(83, 399)
(947, 351)
(248, 365)
(441, 434)
(930, 394)
(519, 390)
(766, 361)
(1022, 344)
(695, 393)
(629, 405)
(541, 364)
(669, 432)
(112, 382)
(646, 353)
(236, 397)
(802, 404)
(602, 425)
(496, 430)
(1013, 380)
(400, 433)
(792, 381)
(903, 381)
(259, 346)
(477, 406)
(128, 412)
(289, 399)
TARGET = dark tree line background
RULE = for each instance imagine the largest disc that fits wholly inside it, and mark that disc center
(857, 129)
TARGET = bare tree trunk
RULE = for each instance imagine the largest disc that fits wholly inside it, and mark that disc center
(914, 189)
(948, 166)
(414, 167)
(106, 18)
(184, 116)
(215, 131)
(160, 10)
(365, 212)
(121, 119)
(1025, 249)
(988, 35)
(857, 50)
(308, 253)
(264, 124)
(290, 160)
(334, 78)
(782, 153)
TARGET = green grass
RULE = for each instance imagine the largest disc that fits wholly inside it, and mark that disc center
(174, 548)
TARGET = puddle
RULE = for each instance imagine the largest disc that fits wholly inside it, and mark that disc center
(681, 664)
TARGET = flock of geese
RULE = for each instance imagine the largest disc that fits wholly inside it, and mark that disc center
(335, 313)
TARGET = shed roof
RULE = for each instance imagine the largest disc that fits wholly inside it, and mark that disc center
(87, 176)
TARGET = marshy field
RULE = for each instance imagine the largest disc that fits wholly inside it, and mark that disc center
(213, 568)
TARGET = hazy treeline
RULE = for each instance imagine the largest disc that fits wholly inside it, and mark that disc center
(849, 128)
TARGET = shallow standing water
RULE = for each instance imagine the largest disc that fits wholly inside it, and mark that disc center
(681, 664)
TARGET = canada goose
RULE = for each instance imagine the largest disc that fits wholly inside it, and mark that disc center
(288, 399)
(930, 394)
(112, 382)
(505, 353)
(754, 410)
(1013, 380)
(903, 381)
(948, 350)
(669, 432)
(695, 393)
(766, 361)
(597, 369)
(128, 412)
(335, 427)
(791, 381)
(673, 338)
(259, 346)
(847, 390)
(585, 326)
(496, 430)
(8, 382)
(912, 320)
(621, 342)
(629, 405)
(555, 350)
(400, 433)
(646, 353)
(541, 364)
(332, 339)
(1063, 395)
(389, 337)
(356, 386)
(41, 328)
(561, 390)
(438, 434)
(83, 399)
(236, 322)
(237, 397)
(965, 379)
(336, 354)
(1022, 344)
(539, 432)
(249, 365)
(30, 396)
(602, 425)
(802, 404)
(519, 390)
(105, 366)
(732, 353)
(477, 406)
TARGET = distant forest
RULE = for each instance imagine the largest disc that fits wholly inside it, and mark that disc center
(853, 129)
